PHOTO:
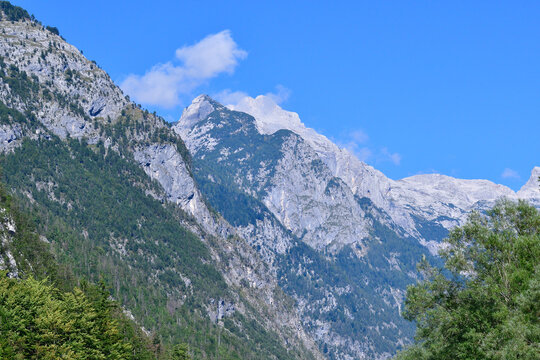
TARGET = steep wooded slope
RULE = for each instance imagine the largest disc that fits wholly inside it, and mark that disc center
(83, 158)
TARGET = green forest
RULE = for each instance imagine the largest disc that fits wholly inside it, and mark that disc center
(90, 207)
(47, 313)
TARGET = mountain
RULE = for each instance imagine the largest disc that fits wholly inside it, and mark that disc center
(110, 187)
(236, 230)
(439, 199)
(318, 215)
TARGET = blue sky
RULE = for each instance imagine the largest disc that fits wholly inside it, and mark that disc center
(413, 87)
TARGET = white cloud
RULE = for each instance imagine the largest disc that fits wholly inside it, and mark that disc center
(510, 174)
(354, 141)
(163, 84)
(393, 157)
(228, 97)
(234, 98)
(357, 142)
(211, 56)
(281, 95)
(359, 136)
(363, 153)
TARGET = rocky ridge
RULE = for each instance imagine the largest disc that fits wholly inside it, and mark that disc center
(432, 197)
(307, 224)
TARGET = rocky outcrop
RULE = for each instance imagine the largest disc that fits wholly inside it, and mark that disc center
(73, 89)
(308, 200)
(7, 230)
(163, 163)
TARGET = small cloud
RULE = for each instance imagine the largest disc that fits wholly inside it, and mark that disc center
(163, 84)
(281, 95)
(393, 157)
(354, 141)
(234, 98)
(396, 158)
(363, 154)
(510, 174)
(211, 56)
(357, 143)
(359, 136)
(228, 97)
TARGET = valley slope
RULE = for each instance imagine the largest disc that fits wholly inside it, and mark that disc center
(78, 155)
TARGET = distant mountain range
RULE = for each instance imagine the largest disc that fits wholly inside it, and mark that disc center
(237, 230)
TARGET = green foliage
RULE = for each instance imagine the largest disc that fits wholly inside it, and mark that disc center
(39, 322)
(485, 303)
(53, 30)
(180, 352)
(34, 260)
(33, 256)
(13, 13)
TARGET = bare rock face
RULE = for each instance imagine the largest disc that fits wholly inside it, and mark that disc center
(7, 230)
(10, 137)
(311, 202)
(531, 190)
(431, 197)
(77, 90)
(163, 163)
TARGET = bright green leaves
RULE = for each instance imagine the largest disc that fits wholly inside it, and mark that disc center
(37, 321)
(485, 304)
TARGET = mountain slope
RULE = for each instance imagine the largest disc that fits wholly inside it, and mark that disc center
(112, 186)
(319, 216)
(39, 294)
(330, 249)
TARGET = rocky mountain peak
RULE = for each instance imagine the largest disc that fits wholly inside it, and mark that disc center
(63, 89)
(197, 111)
(428, 197)
(531, 189)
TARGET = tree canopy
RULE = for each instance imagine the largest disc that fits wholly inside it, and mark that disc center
(485, 302)
(39, 322)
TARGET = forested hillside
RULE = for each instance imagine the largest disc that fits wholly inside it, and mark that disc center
(46, 312)
(76, 154)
